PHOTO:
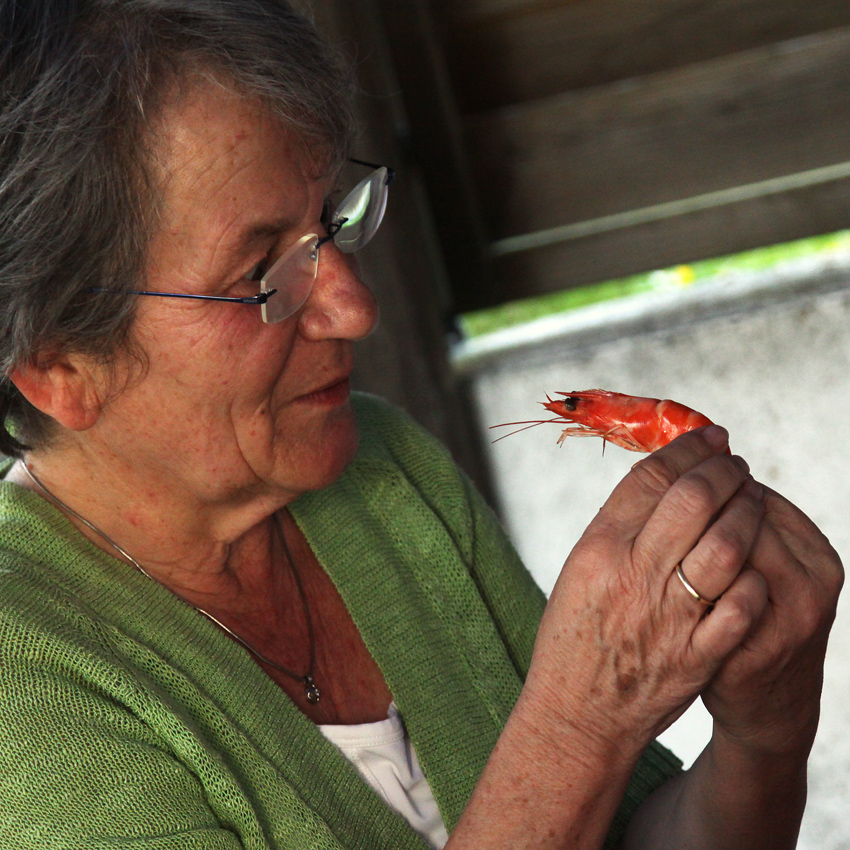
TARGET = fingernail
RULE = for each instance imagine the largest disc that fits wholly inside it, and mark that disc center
(716, 436)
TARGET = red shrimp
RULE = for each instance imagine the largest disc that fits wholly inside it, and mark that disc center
(635, 423)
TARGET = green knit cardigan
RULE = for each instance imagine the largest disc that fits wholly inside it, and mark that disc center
(128, 720)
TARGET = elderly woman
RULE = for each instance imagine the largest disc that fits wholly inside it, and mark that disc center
(243, 608)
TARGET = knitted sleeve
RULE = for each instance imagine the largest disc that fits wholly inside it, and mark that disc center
(77, 770)
(513, 598)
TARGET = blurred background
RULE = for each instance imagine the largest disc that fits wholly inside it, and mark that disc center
(649, 197)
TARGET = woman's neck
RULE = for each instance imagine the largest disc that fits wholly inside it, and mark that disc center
(193, 547)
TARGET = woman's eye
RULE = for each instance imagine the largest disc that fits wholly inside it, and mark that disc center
(258, 271)
(327, 213)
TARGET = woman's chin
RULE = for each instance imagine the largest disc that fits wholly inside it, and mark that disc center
(320, 460)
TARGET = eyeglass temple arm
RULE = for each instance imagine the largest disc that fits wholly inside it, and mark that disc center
(390, 171)
(259, 298)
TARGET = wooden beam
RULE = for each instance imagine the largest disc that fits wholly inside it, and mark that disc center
(711, 233)
(509, 51)
(737, 120)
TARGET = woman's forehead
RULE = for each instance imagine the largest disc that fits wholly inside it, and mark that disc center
(232, 178)
(209, 119)
(222, 151)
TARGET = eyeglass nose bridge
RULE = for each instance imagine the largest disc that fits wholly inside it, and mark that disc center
(332, 229)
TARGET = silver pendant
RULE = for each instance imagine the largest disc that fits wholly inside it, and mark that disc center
(312, 693)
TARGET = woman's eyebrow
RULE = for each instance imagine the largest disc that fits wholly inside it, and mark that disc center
(252, 235)
(262, 230)
(269, 228)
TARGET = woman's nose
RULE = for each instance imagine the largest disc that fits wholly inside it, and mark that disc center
(340, 305)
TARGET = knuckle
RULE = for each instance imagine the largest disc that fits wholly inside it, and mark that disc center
(696, 495)
(725, 549)
(834, 575)
(814, 612)
(737, 612)
(708, 487)
(835, 582)
(827, 585)
(656, 473)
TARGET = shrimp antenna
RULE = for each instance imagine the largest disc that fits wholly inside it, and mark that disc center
(528, 424)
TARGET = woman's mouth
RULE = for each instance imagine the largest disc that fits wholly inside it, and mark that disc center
(330, 395)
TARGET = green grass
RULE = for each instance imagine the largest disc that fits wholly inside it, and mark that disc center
(517, 312)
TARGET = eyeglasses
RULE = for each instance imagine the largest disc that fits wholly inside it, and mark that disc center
(288, 283)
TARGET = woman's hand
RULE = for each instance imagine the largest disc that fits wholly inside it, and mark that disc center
(623, 647)
(748, 788)
(766, 696)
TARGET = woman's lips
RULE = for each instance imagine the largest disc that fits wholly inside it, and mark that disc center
(330, 395)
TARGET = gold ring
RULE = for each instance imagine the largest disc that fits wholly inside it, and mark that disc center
(709, 603)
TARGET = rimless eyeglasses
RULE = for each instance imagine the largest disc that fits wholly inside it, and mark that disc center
(288, 283)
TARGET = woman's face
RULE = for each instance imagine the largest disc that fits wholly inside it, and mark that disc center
(229, 406)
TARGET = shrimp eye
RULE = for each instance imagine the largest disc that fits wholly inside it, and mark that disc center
(571, 402)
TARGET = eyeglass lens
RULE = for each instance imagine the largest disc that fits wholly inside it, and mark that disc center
(293, 274)
(362, 211)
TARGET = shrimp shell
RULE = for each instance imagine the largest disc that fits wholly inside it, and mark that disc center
(633, 422)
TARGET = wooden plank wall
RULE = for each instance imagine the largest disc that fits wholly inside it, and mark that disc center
(576, 110)
(406, 359)
(507, 118)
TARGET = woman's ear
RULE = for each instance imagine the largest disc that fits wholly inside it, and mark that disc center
(65, 387)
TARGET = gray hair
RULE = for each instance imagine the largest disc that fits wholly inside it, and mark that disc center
(80, 85)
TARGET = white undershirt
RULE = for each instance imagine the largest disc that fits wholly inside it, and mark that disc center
(384, 756)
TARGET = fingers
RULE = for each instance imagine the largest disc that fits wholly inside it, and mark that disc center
(715, 567)
(714, 562)
(792, 548)
(637, 496)
(766, 692)
(690, 503)
(687, 508)
(802, 572)
(732, 618)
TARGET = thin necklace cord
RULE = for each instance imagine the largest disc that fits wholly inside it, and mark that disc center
(311, 691)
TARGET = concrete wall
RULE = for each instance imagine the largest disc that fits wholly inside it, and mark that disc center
(768, 357)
